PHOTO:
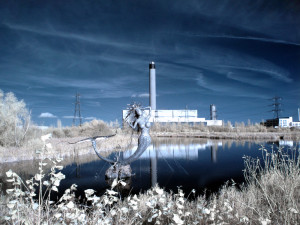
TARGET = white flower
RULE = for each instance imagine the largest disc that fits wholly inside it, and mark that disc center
(111, 192)
(9, 173)
(293, 210)
(59, 167)
(205, 211)
(177, 219)
(159, 191)
(265, 221)
(10, 205)
(187, 214)
(46, 137)
(124, 209)
(57, 215)
(70, 205)
(9, 190)
(115, 182)
(54, 188)
(46, 183)
(49, 146)
(35, 206)
(89, 192)
(123, 183)
(38, 177)
(56, 183)
(244, 219)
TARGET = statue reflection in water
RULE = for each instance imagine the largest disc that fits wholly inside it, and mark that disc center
(138, 120)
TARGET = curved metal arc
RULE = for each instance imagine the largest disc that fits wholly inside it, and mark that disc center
(98, 154)
(93, 140)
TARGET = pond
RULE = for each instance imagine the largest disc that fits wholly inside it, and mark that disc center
(200, 164)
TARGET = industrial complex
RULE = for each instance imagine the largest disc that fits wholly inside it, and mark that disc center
(174, 116)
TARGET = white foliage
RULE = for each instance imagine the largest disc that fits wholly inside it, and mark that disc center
(14, 119)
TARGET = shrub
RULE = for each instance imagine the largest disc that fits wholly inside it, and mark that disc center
(88, 129)
(14, 120)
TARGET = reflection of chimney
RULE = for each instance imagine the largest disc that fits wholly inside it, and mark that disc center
(153, 170)
(153, 166)
(213, 150)
(152, 85)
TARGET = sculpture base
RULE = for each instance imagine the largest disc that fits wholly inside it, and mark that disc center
(119, 171)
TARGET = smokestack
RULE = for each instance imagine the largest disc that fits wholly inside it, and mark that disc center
(299, 114)
(152, 85)
(213, 112)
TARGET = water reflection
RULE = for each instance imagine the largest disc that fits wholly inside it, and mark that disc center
(190, 163)
(168, 149)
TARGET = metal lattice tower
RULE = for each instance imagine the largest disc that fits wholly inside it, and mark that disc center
(77, 110)
(276, 106)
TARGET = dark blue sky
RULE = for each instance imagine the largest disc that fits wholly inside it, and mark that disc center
(234, 54)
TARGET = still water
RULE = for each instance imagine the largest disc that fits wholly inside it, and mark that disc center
(200, 164)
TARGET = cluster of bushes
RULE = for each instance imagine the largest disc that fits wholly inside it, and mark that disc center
(271, 195)
(88, 129)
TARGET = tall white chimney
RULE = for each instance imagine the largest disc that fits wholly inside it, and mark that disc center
(152, 85)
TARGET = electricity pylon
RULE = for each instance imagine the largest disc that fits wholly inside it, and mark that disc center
(276, 106)
(77, 110)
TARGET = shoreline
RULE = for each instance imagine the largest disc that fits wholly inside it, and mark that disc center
(61, 147)
(271, 136)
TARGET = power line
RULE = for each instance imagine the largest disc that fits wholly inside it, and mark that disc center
(77, 110)
(276, 105)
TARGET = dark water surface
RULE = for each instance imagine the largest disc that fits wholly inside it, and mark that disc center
(171, 163)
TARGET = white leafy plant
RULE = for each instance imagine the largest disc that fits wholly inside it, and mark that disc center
(26, 208)
(22, 197)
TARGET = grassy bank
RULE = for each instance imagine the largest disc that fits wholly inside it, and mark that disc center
(271, 195)
(239, 131)
(63, 136)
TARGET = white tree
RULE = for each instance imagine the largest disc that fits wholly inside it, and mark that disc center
(14, 120)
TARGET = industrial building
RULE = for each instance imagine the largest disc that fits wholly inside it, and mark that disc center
(174, 116)
(281, 122)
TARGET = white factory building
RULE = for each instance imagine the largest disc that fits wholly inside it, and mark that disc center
(174, 116)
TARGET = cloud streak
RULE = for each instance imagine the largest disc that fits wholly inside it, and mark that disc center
(47, 115)
(247, 38)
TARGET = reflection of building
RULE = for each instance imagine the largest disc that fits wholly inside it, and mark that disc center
(174, 151)
(286, 143)
(177, 151)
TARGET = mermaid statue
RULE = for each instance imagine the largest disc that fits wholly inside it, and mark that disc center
(138, 120)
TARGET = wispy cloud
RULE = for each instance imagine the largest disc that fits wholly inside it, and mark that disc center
(272, 73)
(68, 117)
(269, 40)
(47, 115)
(90, 118)
(143, 95)
(99, 40)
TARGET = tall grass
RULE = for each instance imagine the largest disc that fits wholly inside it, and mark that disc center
(271, 195)
(226, 131)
